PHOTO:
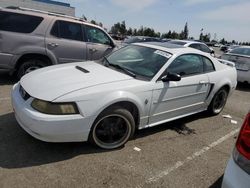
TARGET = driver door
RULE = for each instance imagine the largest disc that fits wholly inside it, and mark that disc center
(174, 99)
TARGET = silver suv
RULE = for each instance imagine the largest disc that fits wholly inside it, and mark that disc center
(31, 39)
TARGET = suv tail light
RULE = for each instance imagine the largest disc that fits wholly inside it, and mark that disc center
(242, 150)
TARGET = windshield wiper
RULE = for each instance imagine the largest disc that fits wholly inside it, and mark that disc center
(130, 73)
(123, 69)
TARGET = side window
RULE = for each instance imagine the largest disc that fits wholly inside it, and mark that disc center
(20, 23)
(240, 51)
(97, 36)
(67, 30)
(247, 51)
(205, 48)
(195, 46)
(186, 65)
(208, 65)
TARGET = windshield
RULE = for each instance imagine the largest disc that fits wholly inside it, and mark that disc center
(142, 61)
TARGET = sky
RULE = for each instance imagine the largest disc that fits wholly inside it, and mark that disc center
(229, 19)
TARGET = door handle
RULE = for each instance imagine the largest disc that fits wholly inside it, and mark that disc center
(53, 44)
(203, 82)
(92, 50)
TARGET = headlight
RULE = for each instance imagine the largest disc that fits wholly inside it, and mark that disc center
(54, 108)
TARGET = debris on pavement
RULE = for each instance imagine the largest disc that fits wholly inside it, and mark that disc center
(227, 116)
(137, 149)
(234, 122)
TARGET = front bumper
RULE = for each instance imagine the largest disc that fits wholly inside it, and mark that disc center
(235, 177)
(49, 128)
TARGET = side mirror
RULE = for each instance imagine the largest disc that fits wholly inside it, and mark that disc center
(112, 44)
(212, 53)
(171, 77)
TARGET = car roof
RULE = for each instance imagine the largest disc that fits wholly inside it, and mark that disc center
(243, 46)
(189, 41)
(171, 48)
(48, 15)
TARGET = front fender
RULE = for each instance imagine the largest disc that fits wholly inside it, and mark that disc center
(93, 105)
(121, 96)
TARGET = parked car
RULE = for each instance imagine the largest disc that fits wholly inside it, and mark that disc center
(217, 45)
(237, 173)
(225, 47)
(31, 39)
(231, 47)
(136, 39)
(194, 44)
(241, 57)
(137, 86)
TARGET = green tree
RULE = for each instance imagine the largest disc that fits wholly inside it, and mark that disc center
(84, 17)
(100, 24)
(115, 29)
(135, 33)
(223, 41)
(130, 31)
(206, 37)
(201, 36)
(175, 35)
(123, 29)
(185, 31)
(93, 22)
(140, 31)
(169, 34)
(119, 28)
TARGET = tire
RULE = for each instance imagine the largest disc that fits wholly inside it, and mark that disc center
(218, 102)
(113, 128)
(29, 66)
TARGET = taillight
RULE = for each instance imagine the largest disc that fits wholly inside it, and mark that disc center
(243, 142)
(241, 152)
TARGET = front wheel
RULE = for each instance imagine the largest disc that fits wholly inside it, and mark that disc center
(113, 128)
(218, 102)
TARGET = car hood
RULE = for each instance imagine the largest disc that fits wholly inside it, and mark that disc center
(53, 82)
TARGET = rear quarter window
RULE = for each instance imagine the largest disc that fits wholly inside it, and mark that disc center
(208, 65)
(19, 23)
(67, 30)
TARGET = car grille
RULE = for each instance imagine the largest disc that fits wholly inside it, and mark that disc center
(23, 93)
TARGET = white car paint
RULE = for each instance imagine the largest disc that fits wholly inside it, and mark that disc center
(234, 176)
(157, 102)
(194, 44)
(237, 173)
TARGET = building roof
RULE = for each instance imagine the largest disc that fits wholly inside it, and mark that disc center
(54, 2)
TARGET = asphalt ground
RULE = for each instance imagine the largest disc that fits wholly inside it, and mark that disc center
(190, 152)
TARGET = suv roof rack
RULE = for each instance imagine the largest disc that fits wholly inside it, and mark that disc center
(46, 12)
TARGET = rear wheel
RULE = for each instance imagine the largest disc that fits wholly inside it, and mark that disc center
(29, 66)
(113, 128)
(218, 102)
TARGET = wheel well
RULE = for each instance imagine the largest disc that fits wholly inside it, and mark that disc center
(32, 56)
(227, 87)
(131, 107)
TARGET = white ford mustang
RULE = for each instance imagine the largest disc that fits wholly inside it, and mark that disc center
(137, 86)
